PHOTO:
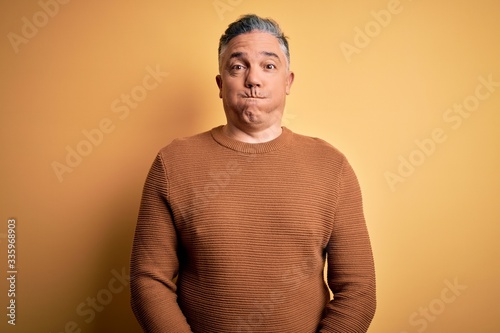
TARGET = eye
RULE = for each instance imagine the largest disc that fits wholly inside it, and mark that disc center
(270, 66)
(237, 67)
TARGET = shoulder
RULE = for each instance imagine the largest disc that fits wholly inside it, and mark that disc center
(325, 157)
(188, 144)
(318, 147)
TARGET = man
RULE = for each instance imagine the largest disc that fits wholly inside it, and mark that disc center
(236, 223)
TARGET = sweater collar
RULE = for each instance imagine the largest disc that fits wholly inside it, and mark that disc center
(252, 148)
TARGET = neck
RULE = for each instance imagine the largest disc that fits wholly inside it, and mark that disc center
(252, 136)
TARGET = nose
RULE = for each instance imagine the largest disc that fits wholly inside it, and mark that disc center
(253, 78)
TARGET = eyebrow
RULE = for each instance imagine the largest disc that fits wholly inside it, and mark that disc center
(243, 54)
(270, 54)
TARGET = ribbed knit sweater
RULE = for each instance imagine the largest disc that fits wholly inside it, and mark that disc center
(246, 229)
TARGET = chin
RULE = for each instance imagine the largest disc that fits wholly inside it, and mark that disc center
(251, 117)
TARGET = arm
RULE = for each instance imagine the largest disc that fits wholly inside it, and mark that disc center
(351, 273)
(154, 262)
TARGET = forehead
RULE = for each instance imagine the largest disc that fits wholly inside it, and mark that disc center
(254, 43)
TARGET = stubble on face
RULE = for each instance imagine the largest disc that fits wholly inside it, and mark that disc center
(254, 80)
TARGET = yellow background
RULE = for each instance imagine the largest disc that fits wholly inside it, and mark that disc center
(438, 227)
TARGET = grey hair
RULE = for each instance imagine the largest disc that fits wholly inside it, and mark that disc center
(249, 23)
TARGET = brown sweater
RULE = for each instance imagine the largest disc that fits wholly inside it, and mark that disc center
(247, 228)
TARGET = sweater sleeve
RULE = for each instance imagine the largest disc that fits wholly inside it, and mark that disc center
(154, 263)
(351, 272)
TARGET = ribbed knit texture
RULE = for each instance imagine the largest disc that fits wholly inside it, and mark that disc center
(246, 227)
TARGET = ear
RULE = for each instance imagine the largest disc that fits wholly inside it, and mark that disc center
(289, 82)
(218, 79)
